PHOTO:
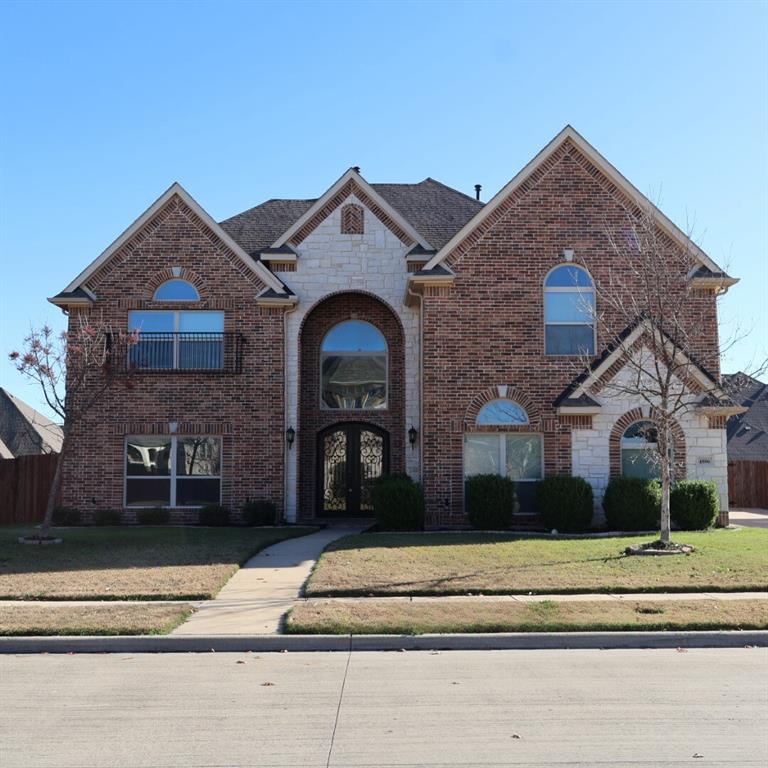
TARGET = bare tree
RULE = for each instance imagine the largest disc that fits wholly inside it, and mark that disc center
(655, 315)
(74, 371)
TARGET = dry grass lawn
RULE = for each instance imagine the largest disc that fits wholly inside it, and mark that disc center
(150, 563)
(402, 617)
(118, 619)
(480, 563)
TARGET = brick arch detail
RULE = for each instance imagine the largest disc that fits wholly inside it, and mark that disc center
(352, 219)
(637, 414)
(312, 419)
(502, 392)
(164, 275)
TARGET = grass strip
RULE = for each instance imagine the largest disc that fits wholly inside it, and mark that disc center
(138, 619)
(466, 616)
(483, 563)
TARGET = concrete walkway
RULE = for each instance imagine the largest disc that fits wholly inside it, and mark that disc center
(750, 517)
(255, 599)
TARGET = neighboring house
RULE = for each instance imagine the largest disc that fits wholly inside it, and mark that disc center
(24, 431)
(747, 432)
(299, 349)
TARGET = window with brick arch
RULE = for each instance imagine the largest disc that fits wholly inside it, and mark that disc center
(569, 311)
(352, 219)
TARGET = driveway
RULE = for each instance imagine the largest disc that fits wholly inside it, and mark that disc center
(751, 517)
(572, 708)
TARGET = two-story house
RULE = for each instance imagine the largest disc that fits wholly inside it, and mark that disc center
(296, 351)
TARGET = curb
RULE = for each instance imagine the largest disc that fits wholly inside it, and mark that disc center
(304, 643)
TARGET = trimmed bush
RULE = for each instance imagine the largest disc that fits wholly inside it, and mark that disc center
(107, 517)
(694, 504)
(152, 516)
(565, 503)
(632, 504)
(66, 516)
(398, 503)
(214, 514)
(259, 512)
(490, 501)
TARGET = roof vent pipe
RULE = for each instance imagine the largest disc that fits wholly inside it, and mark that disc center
(478, 187)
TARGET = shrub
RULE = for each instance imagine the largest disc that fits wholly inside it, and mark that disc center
(694, 504)
(66, 516)
(107, 517)
(213, 514)
(490, 501)
(632, 504)
(565, 503)
(259, 512)
(153, 516)
(398, 503)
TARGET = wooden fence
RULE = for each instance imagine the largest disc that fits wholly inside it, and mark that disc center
(748, 483)
(24, 486)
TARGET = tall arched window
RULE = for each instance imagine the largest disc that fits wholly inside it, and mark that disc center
(517, 455)
(353, 367)
(177, 290)
(569, 311)
(639, 457)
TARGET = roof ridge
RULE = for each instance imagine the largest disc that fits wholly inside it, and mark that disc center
(453, 189)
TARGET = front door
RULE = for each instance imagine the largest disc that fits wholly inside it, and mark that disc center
(350, 457)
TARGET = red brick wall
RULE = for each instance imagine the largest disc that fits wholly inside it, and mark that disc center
(489, 329)
(312, 419)
(246, 409)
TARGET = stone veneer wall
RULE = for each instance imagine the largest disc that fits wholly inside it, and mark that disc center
(329, 263)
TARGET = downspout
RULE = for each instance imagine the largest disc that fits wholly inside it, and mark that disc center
(420, 299)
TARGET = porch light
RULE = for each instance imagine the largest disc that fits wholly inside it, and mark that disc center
(290, 436)
(412, 435)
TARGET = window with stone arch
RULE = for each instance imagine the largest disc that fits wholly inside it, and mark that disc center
(352, 219)
(569, 311)
(516, 455)
(353, 367)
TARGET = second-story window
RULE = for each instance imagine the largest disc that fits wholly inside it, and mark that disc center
(569, 311)
(177, 340)
(177, 290)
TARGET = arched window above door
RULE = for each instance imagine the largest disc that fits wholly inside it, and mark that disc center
(353, 367)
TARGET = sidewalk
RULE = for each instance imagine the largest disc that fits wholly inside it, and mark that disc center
(255, 599)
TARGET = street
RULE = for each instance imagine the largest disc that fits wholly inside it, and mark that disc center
(455, 708)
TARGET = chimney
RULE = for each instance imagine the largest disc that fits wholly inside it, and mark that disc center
(478, 187)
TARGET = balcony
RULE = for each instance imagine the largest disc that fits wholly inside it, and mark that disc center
(186, 353)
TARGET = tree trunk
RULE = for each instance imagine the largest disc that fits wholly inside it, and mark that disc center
(666, 481)
(53, 494)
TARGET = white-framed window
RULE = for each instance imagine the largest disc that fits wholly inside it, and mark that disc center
(516, 455)
(639, 446)
(353, 367)
(172, 471)
(176, 290)
(569, 311)
(177, 339)
(501, 411)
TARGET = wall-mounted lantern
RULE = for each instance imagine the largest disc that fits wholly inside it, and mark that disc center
(413, 435)
(290, 436)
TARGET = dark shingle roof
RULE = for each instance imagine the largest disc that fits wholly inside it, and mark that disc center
(25, 431)
(748, 432)
(434, 210)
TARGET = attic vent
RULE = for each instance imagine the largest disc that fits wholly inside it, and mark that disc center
(352, 219)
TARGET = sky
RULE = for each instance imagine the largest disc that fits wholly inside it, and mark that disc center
(104, 105)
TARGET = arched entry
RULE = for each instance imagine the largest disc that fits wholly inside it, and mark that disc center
(350, 457)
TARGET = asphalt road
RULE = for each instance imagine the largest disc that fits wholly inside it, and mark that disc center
(456, 708)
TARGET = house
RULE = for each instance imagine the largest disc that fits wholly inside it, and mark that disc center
(747, 432)
(297, 350)
(24, 431)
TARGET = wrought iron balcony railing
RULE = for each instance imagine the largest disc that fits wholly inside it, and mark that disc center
(187, 353)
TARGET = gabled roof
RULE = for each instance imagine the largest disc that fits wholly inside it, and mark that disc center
(581, 386)
(433, 209)
(25, 431)
(175, 190)
(569, 134)
(748, 432)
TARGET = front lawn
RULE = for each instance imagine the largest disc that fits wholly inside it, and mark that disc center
(401, 617)
(480, 563)
(99, 619)
(152, 563)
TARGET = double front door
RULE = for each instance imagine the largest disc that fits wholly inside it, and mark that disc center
(350, 458)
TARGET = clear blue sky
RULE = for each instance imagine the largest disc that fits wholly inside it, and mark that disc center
(105, 104)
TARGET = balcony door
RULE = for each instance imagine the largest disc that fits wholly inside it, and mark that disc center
(350, 458)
